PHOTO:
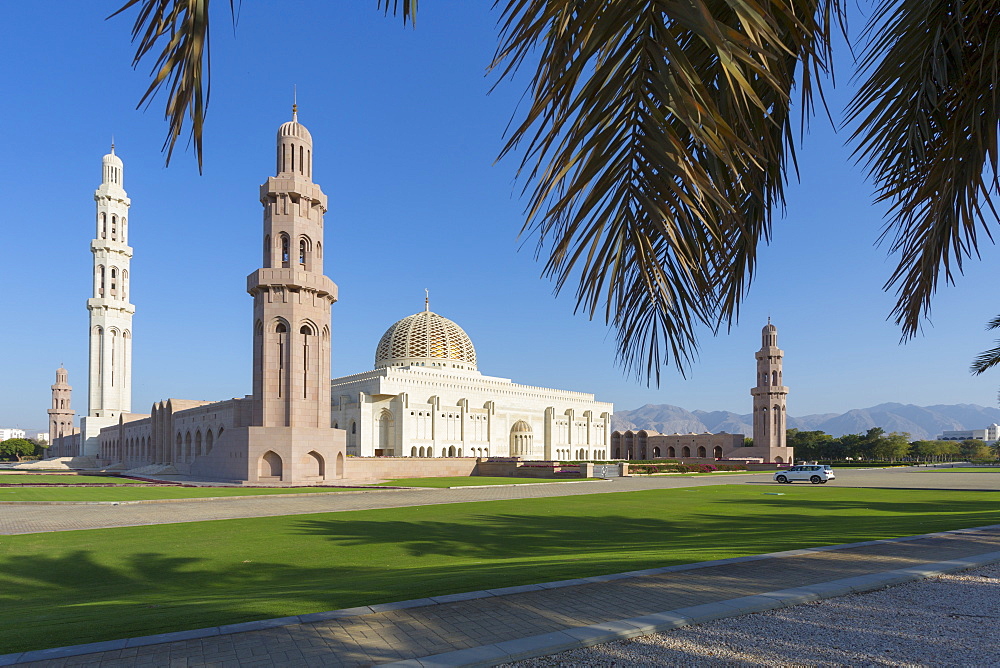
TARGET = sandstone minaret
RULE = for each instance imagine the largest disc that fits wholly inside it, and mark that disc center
(110, 379)
(61, 415)
(292, 296)
(770, 393)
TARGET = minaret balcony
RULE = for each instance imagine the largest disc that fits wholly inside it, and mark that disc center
(769, 389)
(105, 304)
(295, 185)
(110, 246)
(295, 279)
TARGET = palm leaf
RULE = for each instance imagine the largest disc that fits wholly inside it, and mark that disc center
(990, 358)
(655, 150)
(180, 28)
(927, 118)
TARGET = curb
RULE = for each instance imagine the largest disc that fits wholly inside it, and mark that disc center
(550, 643)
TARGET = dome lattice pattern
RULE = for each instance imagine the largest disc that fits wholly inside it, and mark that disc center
(425, 335)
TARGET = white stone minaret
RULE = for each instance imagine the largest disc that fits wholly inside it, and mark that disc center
(769, 394)
(292, 297)
(61, 415)
(110, 379)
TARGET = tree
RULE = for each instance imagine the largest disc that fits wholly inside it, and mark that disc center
(892, 447)
(928, 449)
(16, 448)
(812, 444)
(657, 140)
(972, 449)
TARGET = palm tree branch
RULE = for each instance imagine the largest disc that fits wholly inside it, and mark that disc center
(927, 119)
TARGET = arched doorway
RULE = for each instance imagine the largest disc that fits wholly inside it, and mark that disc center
(718, 452)
(702, 452)
(315, 465)
(270, 465)
(671, 452)
(685, 451)
(340, 464)
(386, 441)
(520, 439)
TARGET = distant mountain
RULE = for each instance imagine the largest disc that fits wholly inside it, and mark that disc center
(921, 422)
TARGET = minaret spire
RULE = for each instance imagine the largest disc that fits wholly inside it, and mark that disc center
(427, 299)
(769, 396)
(295, 104)
(110, 376)
(292, 296)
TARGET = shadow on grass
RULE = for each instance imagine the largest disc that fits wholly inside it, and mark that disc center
(80, 587)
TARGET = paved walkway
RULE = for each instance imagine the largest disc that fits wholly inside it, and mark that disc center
(487, 628)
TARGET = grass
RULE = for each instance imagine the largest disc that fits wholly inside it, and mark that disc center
(66, 479)
(466, 481)
(965, 469)
(84, 586)
(133, 493)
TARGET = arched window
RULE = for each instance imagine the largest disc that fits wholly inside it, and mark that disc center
(354, 428)
(179, 452)
(197, 444)
(104, 226)
(123, 229)
(114, 227)
(114, 281)
(209, 441)
(281, 330)
(284, 250)
(100, 292)
(302, 252)
(267, 250)
(306, 332)
(124, 284)
(774, 378)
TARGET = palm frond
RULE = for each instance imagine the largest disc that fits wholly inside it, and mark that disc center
(406, 8)
(655, 150)
(182, 65)
(986, 360)
(927, 118)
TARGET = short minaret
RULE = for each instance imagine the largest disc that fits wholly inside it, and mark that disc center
(770, 393)
(292, 297)
(110, 378)
(61, 415)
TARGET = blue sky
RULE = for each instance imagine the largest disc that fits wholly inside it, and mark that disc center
(406, 134)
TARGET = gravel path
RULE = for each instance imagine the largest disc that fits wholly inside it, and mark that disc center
(945, 621)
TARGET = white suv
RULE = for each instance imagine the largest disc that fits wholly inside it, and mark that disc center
(816, 474)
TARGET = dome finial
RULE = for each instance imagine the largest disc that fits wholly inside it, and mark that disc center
(427, 299)
(295, 103)
(112, 144)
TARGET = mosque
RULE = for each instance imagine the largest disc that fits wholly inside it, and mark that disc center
(425, 397)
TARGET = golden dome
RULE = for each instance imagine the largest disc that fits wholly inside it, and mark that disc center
(426, 339)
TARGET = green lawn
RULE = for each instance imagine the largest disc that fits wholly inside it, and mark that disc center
(132, 493)
(39, 479)
(82, 586)
(966, 469)
(467, 481)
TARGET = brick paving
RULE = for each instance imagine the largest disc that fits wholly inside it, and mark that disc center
(394, 635)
